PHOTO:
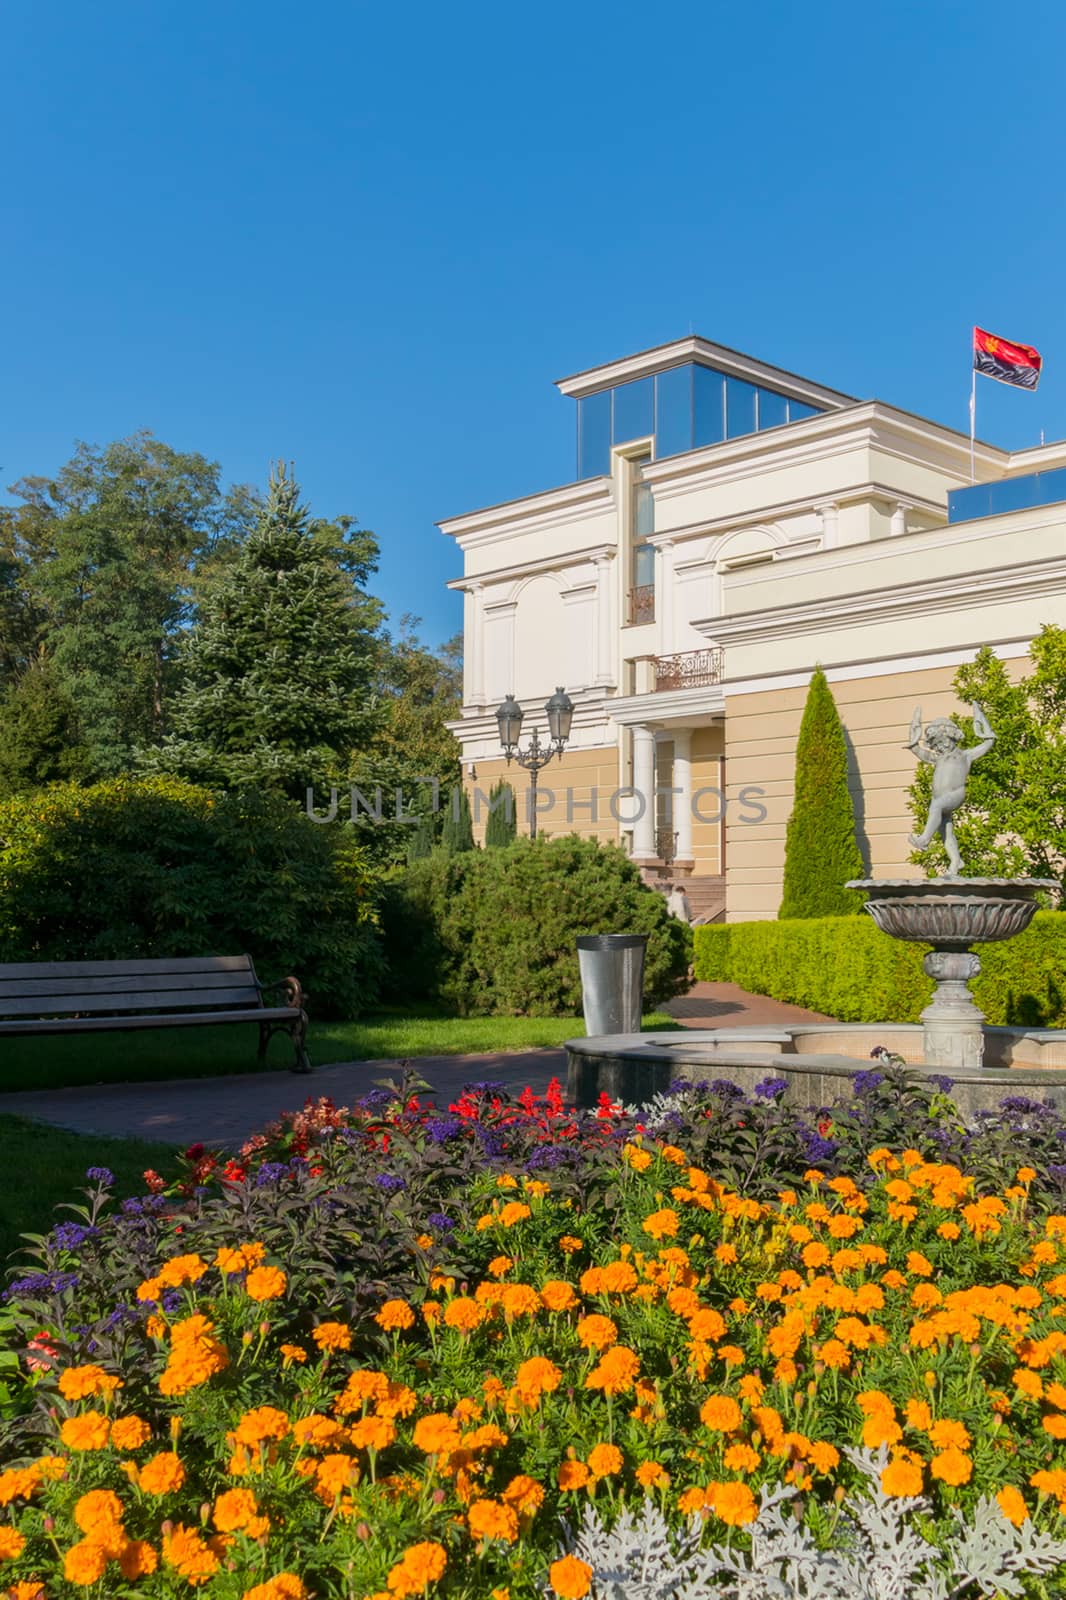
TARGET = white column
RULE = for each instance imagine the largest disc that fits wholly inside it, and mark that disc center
(898, 524)
(477, 642)
(604, 631)
(829, 512)
(682, 780)
(664, 595)
(644, 784)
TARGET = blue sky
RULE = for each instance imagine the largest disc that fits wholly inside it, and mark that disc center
(369, 238)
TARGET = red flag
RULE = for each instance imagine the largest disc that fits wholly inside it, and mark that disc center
(1005, 361)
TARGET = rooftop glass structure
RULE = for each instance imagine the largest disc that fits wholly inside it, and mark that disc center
(681, 408)
(1007, 494)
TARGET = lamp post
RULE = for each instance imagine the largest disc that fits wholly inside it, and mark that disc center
(559, 712)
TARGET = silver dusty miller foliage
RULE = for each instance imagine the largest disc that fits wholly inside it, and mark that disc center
(876, 1553)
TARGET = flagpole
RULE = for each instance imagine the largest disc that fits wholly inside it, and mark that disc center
(973, 411)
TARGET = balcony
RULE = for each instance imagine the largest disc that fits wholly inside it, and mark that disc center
(692, 669)
(1007, 494)
(642, 604)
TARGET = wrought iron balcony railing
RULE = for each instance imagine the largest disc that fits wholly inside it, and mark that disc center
(691, 669)
(642, 603)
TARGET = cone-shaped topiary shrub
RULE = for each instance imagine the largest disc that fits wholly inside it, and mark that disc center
(821, 850)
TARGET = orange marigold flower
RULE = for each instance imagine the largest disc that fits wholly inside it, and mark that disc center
(706, 1324)
(947, 1435)
(604, 1460)
(129, 1433)
(1055, 1424)
(570, 1577)
(617, 1277)
(12, 1544)
(265, 1283)
(834, 1353)
(616, 1372)
(189, 1555)
(596, 1332)
(293, 1353)
(418, 1567)
(500, 1266)
(721, 1413)
(182, 1269)
(513, 1212)
(372, 1433)
(823, 1457)
(652, 1475)
(952, 1466)
(949, 1230)
(77, 1383)
(519, 1300)
(638, 1159)
(524, 1494)
(733, 1503)
(570, 1245)
(740, 1458)
(918, 1414)
(286, 1586)
(332, 1336)
(137, 1559)
(558, 1295)
(90, 1431)
(662, 1224)
(464, 1313)
(573, 1475)
(436, 1434)
(162, 1474)
(235, 1509)
(1012, 1504)
(84, 1564)
(395, 1315)
(815, 1254)
(902, 1478)
(489, 1519)
(259, 1424)
(317, 1432)
(333, 1474)
(535, 1377)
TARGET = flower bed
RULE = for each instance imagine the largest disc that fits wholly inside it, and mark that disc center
(392, 1351)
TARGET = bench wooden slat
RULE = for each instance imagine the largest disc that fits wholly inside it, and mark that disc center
(121, 983)
(133, 968)
(182, 1019)
(151, 1000)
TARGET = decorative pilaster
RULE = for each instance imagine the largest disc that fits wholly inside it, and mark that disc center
(829, 512)
(682, 801)
(476, 636)
(605, 631)
(664, 595)
(644, 802)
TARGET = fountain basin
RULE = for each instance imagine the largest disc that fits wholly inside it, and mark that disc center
(952, 913)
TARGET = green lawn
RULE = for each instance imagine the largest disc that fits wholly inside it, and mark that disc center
(46, 1167)
(51, 1062)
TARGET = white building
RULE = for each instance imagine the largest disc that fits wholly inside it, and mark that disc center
(731, 526)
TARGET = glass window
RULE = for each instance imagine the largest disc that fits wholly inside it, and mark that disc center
(643, 566)
(739, 407)
(773, 409)
(706, 406)
(634, 410)
(797, 411)
(673, 411)
(594, 435)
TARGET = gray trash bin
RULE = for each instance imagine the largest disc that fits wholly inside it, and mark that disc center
(612, 981)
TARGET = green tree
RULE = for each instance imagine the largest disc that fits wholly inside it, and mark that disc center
(1013, 823)
(102, 561)
(419, 839)
(457, 832)
(821, 849)
(278, 672)
(502, 825)
(39, 741)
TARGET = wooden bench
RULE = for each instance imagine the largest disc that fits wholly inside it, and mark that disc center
(115, 996)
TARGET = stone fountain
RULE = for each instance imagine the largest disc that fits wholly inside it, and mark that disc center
(951, 913)
(955, 912)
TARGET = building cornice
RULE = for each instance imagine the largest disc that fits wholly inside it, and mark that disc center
(553, 505)
(702, 351)
(658, 704)
(924, 596)
(529, 569)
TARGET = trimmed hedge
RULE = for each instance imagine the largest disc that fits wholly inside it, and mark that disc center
(493, 932)
(848, 969)
(156, 867)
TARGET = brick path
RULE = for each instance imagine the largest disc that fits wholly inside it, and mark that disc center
(226, 1110)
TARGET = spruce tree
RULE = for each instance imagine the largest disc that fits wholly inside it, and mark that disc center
(39, 740)
(821, 849)
(277, 673)
(458, 831)
(420, 841)
(502, 825)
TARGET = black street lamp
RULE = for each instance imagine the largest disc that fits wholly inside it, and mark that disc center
(559, 712)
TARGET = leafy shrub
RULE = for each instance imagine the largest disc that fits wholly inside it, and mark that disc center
(821, 849)
(394, 1341)
(158, 867)
(848, 969)
(499, 927)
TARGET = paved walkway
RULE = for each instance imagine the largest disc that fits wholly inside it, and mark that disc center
(226, 1110)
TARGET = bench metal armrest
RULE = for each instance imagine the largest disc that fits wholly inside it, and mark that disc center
(293, 990)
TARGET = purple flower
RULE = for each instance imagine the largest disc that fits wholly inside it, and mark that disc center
(945, 1085)
(171, 1301)
(131, 1208)
(866, 1082)
(817, 1148)
(101, 1175)
(374, 1098)
(489, 1086)
(40, 1284)
(441, 1129)
(1018, 1105)
(271, 1172)
(1058, 1172)
(121, 1314)
(391, 1182)
(771, 1088)
(438, 1221)
(725, 1088)
(69, 1235)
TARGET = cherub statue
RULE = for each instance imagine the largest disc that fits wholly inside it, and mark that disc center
(951, 766)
